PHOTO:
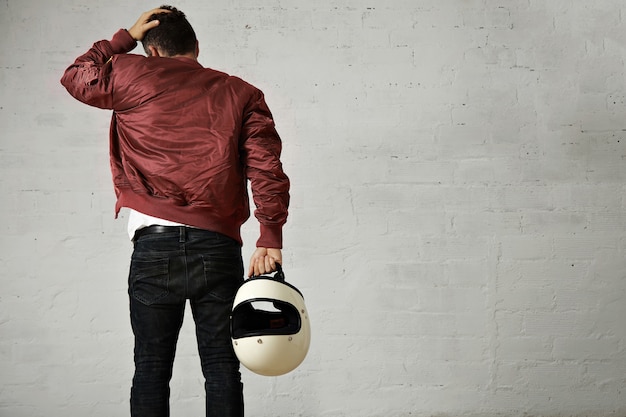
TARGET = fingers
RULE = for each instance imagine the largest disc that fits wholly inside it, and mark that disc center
(262, 265)
(263, 262)
(270, 264)
(139, 29)
(151, 24)
(154, 11)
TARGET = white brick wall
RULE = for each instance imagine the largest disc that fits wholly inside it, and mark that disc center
(457, 222)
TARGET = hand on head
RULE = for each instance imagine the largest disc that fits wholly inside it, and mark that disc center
(143, 24)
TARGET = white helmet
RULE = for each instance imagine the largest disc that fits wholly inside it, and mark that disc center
(269, 325)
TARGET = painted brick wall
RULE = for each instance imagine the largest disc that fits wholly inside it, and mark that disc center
(457, 222)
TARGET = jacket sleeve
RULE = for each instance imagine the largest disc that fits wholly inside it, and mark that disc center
(261, 151)
(88, 78)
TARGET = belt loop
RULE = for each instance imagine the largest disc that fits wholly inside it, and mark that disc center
(182, 234)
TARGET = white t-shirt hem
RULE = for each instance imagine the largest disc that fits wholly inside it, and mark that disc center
(138, 220)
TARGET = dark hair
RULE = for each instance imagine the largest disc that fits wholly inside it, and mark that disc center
(173, 36)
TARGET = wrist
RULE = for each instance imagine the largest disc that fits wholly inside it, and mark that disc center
(271, 237)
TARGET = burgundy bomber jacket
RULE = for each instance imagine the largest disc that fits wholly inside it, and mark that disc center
(184, 139)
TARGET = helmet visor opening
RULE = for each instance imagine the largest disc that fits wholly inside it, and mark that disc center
(264, 317)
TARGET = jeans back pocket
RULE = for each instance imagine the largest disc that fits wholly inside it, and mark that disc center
(149, 279)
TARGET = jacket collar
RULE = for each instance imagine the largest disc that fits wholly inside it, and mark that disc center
(188, 60)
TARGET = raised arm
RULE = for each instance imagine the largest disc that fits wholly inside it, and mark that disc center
(88, 80)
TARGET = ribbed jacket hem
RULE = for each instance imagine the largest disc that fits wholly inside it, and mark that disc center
(203, 218)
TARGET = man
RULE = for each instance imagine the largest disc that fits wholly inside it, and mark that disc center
(184, 141)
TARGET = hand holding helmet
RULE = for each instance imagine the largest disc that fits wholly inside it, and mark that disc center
(270, 327)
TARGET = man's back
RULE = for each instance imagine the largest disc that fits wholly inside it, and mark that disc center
(184, 138)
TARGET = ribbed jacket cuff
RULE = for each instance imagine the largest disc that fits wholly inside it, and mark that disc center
(122, 42)
(271, 237)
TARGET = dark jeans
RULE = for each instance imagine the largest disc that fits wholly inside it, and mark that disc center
(166, 270)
